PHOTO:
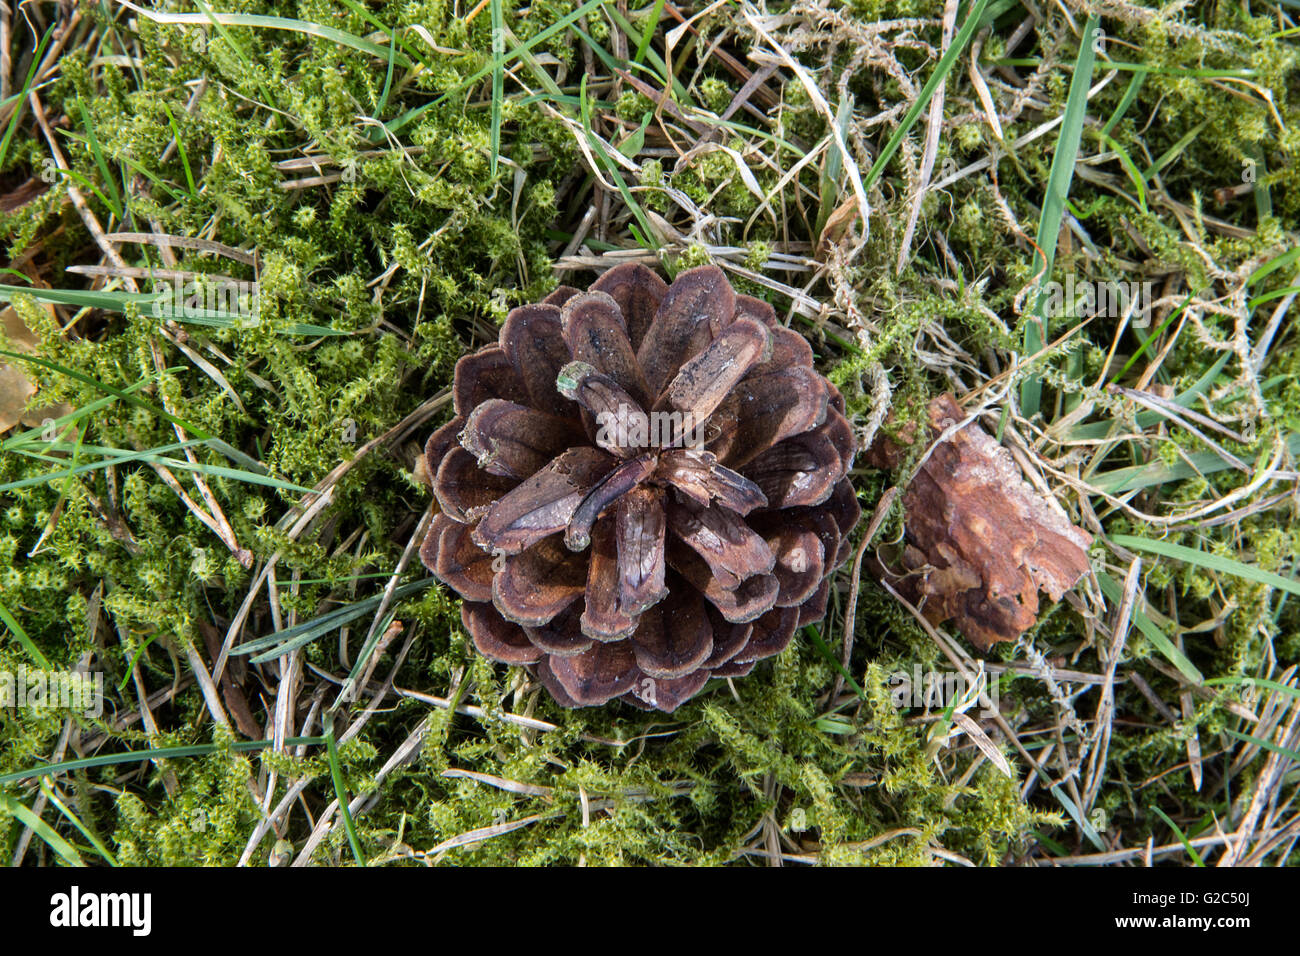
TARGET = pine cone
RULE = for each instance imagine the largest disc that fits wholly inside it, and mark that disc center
(615, 553)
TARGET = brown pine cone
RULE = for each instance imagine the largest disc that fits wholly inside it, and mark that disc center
(615, 553)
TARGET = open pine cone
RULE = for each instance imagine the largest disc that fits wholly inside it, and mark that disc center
(616, 553)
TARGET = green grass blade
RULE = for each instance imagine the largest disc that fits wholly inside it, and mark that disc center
(110, 301)
(598, 149)
(392, 126)
(1169, 320)
(101, 163)
(945, 65)
(1268, 745)
(1255, 682)
(498, 79)
(281, 642)
(1277, 262)
(305, 27)
(1210, 562)
(125, 394)
(17, 631)
(822, 648)
(1173, 152)
(1182, 838)
(388, 77)
(1114, 593)
(1136, 477)
(1125, 101)
(155, 753)
(340, 791)
(651, 25)
(22, 96)
(60, 846)
(1130, 168)
(72, 818)
(180, 150)
(1079, 819)
(1058, 192)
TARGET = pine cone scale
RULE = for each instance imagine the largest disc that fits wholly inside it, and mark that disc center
(595, 332)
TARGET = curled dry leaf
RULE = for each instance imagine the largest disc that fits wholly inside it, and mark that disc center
(980, 542)
(637, 562)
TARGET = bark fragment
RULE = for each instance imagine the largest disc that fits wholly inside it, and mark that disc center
(980, 541)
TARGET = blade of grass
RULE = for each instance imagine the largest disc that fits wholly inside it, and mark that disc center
(22, 96)
(1125, 101)
(393, 125)
(1114, 593)
(180, 151)
(149, 456)
(651, 25)
(1182, 838)
(498, 78)
(340, 791)
(1173, 152)
(1255, 682)
(17, 631)
(818, 642)
(1280, 261)
(833, 166)
(1266, 744)
(1262, 194)
(155, 753)
(72, 818)
(388, 77)
(67, 481)
(88, 184)
(654, 64)
(25, 816)
(1101, 430)
(647, 238)
(135, 659)
(1136, 477)
(19, 440)
(109, 301)
(281, 642)
(101, 163)
(1130, 168)
(394, 35)
(305, 27)
(1270, 296)
(1058, 191)
(1210, 562)
(1169, 320)
(945, 65)
(210, 440)
(1079, 819)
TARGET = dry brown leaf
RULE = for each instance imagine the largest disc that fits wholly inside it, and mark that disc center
(837, 224)
(16, 389)
(980, 541)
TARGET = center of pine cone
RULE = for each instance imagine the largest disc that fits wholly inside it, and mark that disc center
(644, 486)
